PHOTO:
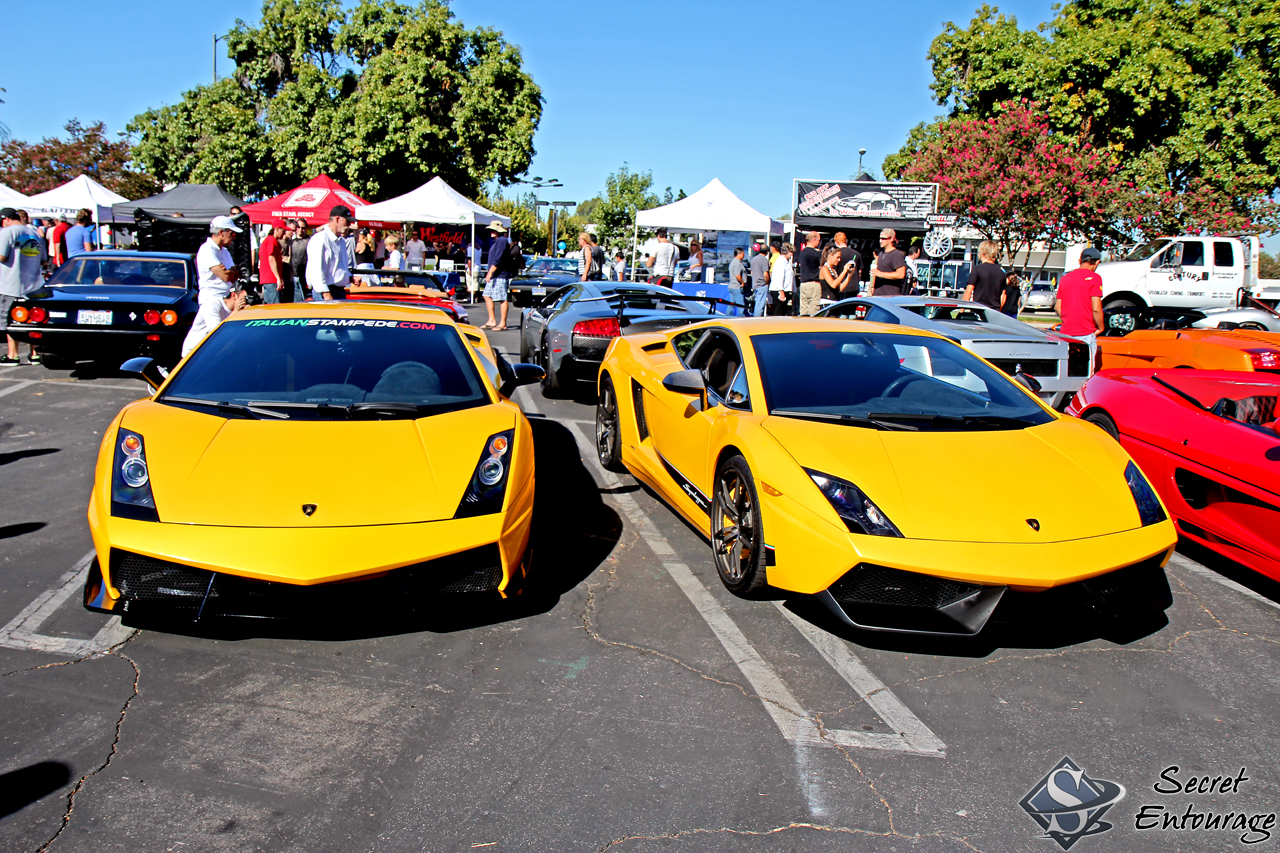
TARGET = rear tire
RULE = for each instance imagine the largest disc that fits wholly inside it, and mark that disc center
(525, 354)
(608, 427)
(1104, 421)
(737, 532)
(1253, 327)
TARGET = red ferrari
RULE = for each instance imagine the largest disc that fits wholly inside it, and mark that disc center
(1209, 442)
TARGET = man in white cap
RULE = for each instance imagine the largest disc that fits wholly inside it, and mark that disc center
(502, 266)
(215, 270)
(328, 258)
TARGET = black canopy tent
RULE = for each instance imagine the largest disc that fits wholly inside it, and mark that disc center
(194, 201)
(177, 220)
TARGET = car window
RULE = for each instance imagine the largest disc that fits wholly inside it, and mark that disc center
(325, 364)
(683, 343)
(903, 381)
(957, 313)
(1192, 253)
(849, 311)
(1224, 254)
(144, 272)
(718, 357)
(738, 396)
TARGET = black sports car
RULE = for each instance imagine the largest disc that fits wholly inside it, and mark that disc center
(110, 306)
(539, 277)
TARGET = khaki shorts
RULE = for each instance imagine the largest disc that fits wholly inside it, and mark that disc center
(810, 296)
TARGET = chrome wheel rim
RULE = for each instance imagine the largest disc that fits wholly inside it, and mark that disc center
(606, 425)
(734, 537)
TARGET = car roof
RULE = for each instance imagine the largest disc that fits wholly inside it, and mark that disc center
(342, 309)
(117, 254)
(753, 326)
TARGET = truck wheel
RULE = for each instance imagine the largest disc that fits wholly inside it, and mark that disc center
(1120, 302)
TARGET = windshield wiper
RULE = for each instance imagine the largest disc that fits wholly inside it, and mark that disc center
(990, 421)
(877, 421)
(392, 408)
(226, 408)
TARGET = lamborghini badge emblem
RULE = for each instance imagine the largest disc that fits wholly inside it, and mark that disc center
(1035, 523)
(308, 509)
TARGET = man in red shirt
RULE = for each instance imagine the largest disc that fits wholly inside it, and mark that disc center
(58, 242)
(270, 272)
(1079, 301)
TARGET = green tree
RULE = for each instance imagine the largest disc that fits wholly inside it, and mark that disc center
(36, 167)
(1268, 266)
(1185, 93)
(625, 192)
(381, 97)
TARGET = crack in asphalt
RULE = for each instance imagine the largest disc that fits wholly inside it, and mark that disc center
(115, 742)
(841, 830)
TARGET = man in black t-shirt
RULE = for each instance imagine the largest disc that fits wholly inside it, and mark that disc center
(809, 263)
(891, 266)
(986, 279)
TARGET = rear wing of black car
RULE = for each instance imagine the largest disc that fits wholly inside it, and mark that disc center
(620, 299)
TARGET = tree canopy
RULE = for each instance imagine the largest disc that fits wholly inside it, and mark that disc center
(32, 168)
(1184, 94)
(380, 97)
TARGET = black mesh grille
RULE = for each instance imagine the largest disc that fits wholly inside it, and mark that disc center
(590, 347)
(867, 584)
(147, 579)
(1030, 366)
(476, 570)
(637, 396)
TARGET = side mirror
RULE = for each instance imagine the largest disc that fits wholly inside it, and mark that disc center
(515, 375)
(147, 369)
(685, 382)
(1029, 382)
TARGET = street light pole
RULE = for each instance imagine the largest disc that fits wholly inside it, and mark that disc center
(861, 151)
(216, 38)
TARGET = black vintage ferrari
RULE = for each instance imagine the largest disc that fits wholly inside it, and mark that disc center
(110, 306)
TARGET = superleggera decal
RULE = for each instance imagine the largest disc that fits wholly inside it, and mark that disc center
(381, 324)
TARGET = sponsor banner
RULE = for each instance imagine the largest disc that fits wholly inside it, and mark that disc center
(865, 199)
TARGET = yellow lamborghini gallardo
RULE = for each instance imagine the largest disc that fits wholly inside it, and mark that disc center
(309, 444)
(894, 474)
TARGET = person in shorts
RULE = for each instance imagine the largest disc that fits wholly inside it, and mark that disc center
(502, 267)
(20, 256)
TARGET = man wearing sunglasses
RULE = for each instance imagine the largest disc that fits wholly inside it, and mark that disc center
(891, 267)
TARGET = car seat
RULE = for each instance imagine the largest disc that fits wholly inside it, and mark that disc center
(406, 382)
(719, 372)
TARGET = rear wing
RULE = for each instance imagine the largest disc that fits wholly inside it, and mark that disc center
(621, 300)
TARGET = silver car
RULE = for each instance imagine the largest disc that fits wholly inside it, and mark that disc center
(1058, 366)
(568, 331)
(1253, 319)
(1039, 297)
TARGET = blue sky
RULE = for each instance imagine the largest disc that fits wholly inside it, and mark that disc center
(754, 93)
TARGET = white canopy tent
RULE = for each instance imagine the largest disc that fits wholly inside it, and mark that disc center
(434, 202)
(712, 208)
(12, 198)
(75, 194)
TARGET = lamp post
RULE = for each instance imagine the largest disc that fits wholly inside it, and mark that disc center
(554, 222)
(537, 184)
(216, 38)
(861, 151)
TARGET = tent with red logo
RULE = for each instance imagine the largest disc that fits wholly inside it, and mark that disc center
(310, 202)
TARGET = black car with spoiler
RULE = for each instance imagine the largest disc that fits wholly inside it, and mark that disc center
(109, 306)
(568, 331)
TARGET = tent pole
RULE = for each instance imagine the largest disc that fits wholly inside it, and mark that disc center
(471, 263)
(635, 235)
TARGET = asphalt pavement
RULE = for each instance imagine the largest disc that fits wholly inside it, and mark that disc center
(632, 705)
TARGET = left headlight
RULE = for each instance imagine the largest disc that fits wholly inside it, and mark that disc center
(1149, 509)
(131, 479)
(488, 485)
(855, 509)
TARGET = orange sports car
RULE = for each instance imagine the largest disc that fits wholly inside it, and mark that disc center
(1164, 338)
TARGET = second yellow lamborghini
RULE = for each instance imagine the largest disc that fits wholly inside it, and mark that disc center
(900, 478)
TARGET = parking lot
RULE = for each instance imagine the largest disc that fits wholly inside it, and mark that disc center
(628, 704)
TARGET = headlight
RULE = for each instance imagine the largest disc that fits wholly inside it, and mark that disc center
(855, 509)
(131, 480)
(1149, 509)
(488, 485)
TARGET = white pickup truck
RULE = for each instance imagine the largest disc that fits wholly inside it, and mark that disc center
(1186, 272)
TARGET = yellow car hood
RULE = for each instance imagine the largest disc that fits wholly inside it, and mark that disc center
(977, 486)
(259, 473)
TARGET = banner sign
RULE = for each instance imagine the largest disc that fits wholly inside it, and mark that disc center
(866, 199)
(942, 219)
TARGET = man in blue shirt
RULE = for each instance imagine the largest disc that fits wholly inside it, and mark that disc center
(502, 267)
(79, 237)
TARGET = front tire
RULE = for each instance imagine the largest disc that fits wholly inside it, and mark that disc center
(1104, 421)
(608, 431)
(737, 532)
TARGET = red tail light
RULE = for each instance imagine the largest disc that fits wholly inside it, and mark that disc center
(151, 316)
(1264, 359)
(606, 328)
(153, 337)
(38, 314)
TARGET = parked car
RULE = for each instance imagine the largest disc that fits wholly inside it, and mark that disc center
(430, 289)
(110, 306)
(1039, 297)
(1207, 440)
(1058, 366)
(539, 277)
(1182, 272)
(1168, 337)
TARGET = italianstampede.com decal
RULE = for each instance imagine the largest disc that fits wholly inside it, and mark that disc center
(327, 321)
(1068, 804)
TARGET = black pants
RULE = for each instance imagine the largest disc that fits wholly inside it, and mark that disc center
(337, 291)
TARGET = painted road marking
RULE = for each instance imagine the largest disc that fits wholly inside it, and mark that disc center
(17, 386)
(909, 735)
(22, 630)
(141, 387)
(1183, 563)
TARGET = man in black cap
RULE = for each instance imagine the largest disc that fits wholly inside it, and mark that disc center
(328, 264)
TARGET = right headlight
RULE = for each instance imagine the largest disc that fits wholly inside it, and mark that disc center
(1149, 509)
(855, 509)
(131, 479)
(488, 485)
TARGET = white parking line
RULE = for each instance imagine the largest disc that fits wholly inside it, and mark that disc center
(909, 735)
(17, 386)
(141, 387)
(21, 632)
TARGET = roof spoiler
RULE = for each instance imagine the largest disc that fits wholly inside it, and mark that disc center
(621, 299)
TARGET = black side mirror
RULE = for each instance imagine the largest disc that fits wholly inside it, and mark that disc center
(147, 369)
(1029, 382)
(685, 382)
(515, 375)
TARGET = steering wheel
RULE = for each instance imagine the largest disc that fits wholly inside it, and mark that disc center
(896, 386)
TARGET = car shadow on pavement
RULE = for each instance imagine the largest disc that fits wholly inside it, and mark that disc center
(19, 788)
(573, 533)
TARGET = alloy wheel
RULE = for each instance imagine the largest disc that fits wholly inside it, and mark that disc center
(734, 537)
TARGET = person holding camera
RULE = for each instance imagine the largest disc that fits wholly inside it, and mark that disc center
(215, 270)
(365, 255)
(835, 276)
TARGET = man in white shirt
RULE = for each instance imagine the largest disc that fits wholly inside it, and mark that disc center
(215, 269)
(210, 314)
(328, 263)
(782, 279)
(662, 262)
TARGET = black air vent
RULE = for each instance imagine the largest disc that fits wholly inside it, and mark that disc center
(637, 396)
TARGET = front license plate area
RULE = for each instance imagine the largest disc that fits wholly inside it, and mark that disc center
(93, 318)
